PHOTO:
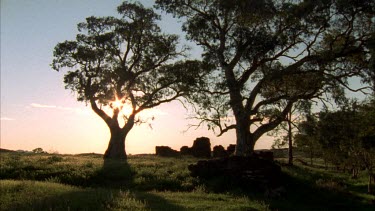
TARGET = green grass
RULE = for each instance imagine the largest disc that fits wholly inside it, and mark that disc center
(148, 182)
(316, 189)
(32, 195)
(199, 200)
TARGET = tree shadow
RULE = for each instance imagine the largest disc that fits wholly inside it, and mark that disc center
(301, 190)
(62, 199)
(303, 193)
(155, 202)
(93, 199)
(113, 174)
(110, 191)
(119, 176)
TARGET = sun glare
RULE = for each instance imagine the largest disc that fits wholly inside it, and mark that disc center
(117, 104)
(121, 105)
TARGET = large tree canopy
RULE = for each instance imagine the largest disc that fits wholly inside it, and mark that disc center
(125, 61)
(267, 52)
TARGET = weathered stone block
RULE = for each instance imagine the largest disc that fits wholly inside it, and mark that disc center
(166, 151)
(249, 171)
(201, 148)
(219, 152)
(265, 154)
(231, 148)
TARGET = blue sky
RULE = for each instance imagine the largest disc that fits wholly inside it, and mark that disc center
(36, 110)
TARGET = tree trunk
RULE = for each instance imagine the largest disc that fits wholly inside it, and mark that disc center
(116, 146)
(242, 119)
(325, 164)
(369, 186)
(290, 142)
(244, 145)
(354, 172)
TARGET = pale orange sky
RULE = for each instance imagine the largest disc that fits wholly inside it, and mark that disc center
(73, 128)
(36, 110)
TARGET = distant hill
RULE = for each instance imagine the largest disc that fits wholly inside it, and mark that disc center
(6, 150)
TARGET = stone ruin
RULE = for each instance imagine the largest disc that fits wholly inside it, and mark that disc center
(245, 172)
(257, 171)
(201, 149)
(185, 150)
(231, 148)
(219, 152)
(265, 154)
(166, 151)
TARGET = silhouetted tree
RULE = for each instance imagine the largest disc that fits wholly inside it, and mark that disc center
(38, 150)
(366, 152)
(313, 46)
(126, 61)
(349, 136)
(289, 127)
(307, 138)
(339, 136)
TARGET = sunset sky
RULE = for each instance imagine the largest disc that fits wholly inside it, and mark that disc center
(36, 110)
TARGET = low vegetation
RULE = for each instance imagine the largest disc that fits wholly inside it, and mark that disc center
(148, 182)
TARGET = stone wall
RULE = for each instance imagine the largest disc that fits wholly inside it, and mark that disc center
(219, 152)
(166, 151)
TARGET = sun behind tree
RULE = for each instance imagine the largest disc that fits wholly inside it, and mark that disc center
(117, 103)
(125, 62)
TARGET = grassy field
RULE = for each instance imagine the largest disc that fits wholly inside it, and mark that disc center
(148, 182)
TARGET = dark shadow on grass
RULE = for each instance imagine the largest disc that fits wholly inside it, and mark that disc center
(303, 190)
(98, 191)
(91, 199)
(118, 174)
(113, 174)
(85, 199)
(155, 202)
(302, 193)
(358, 188)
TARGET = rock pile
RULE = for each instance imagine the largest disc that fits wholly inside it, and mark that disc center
(265, 154)
(231, 148)
(251, 171)
(219, 152)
